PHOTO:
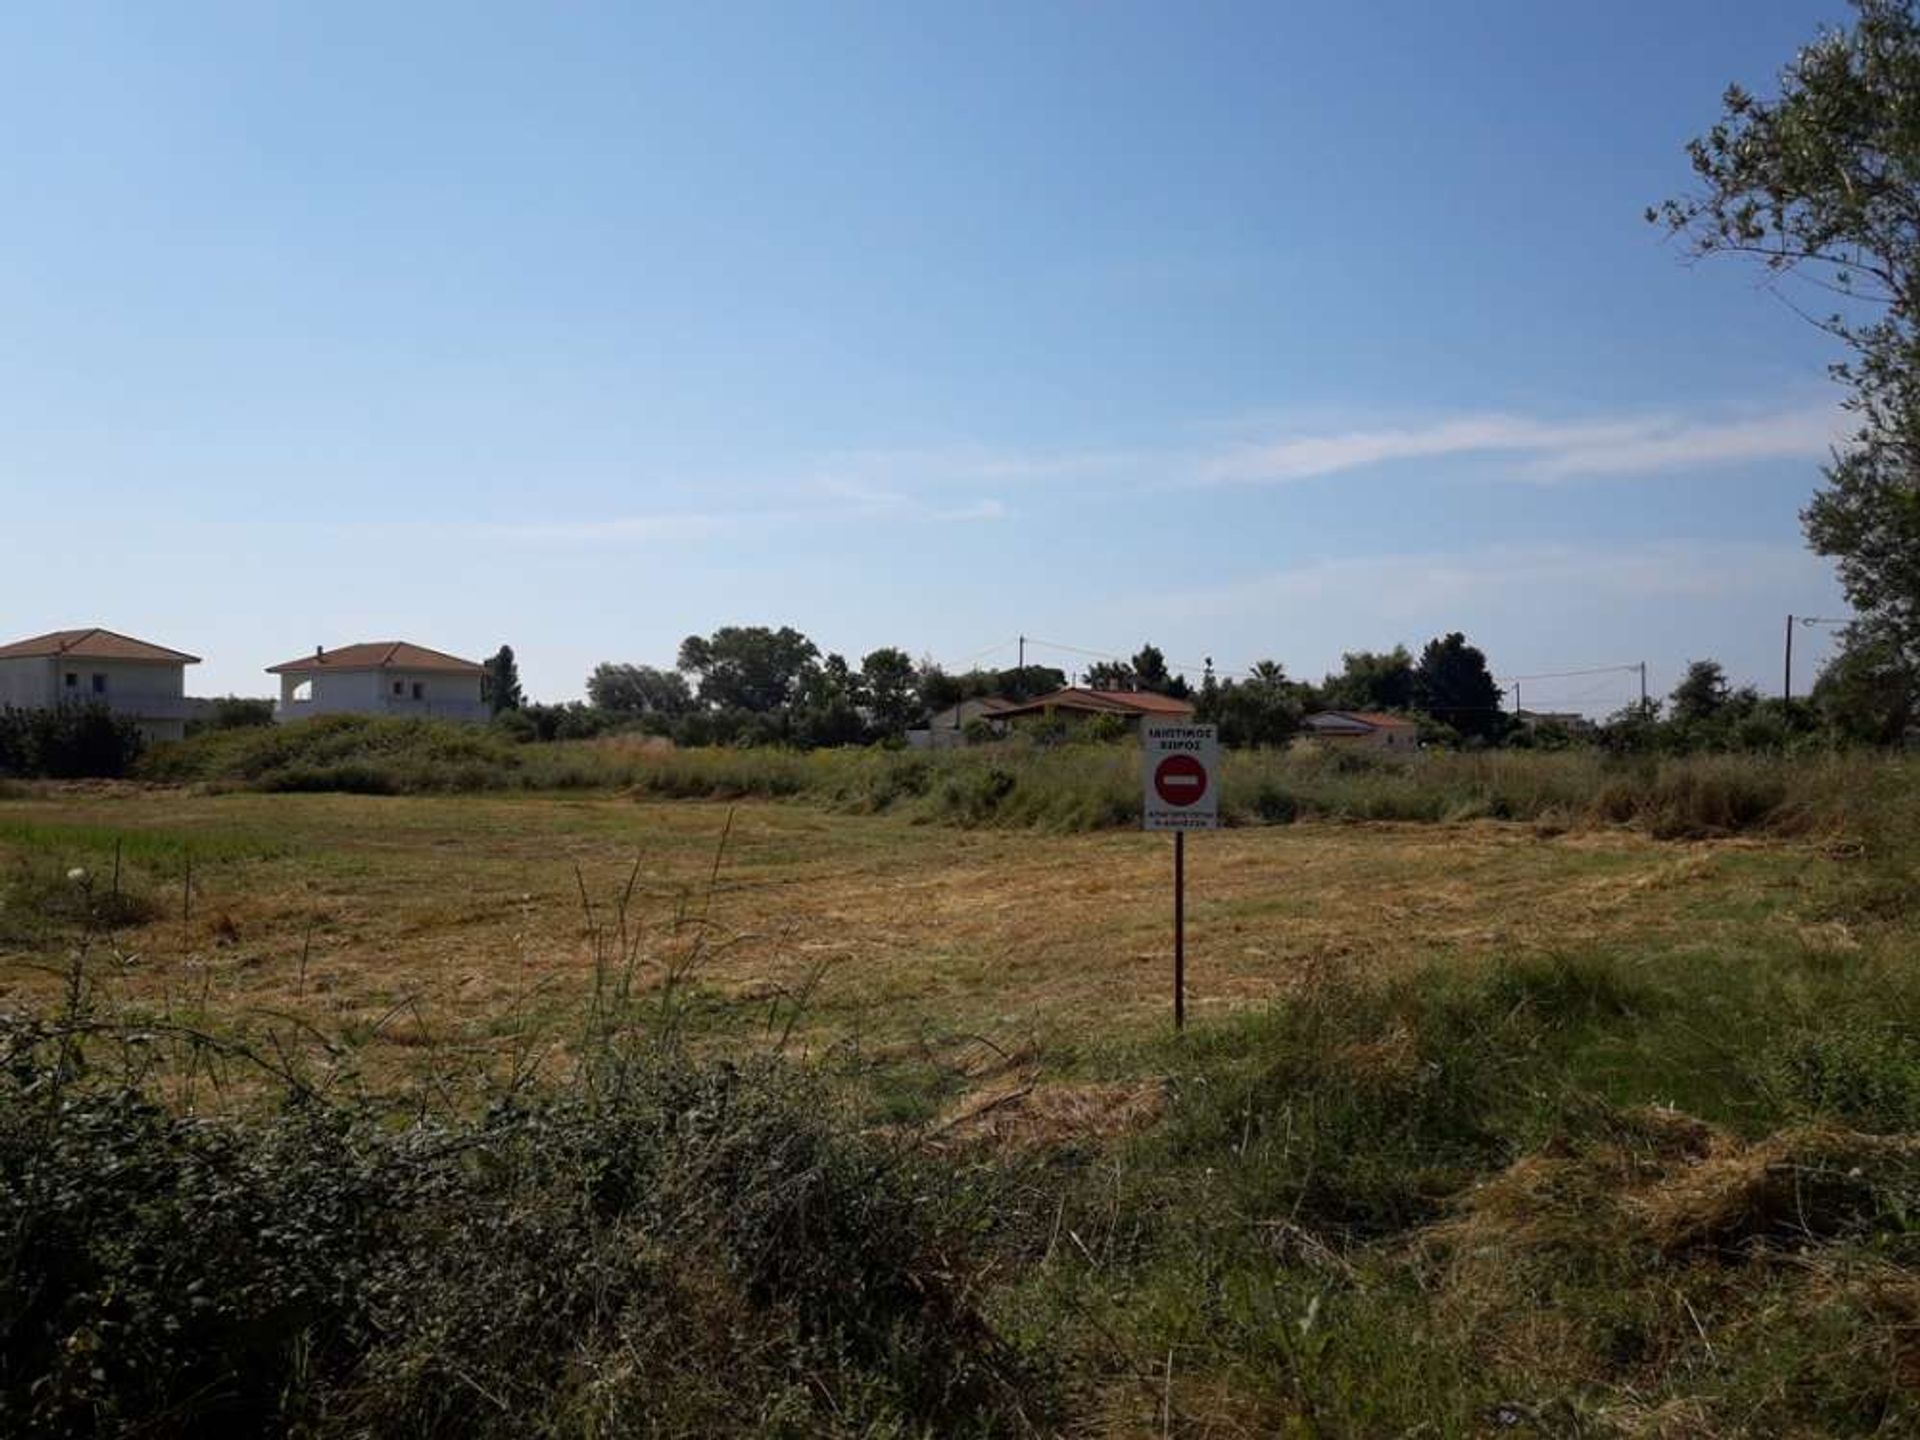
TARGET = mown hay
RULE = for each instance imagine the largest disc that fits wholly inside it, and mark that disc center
(1026, 1115)
(1670, 1181)
(1800, 1185)
(1767, 1252)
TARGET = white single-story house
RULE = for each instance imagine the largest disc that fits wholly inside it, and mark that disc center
(1077, 703)
(1572, 721)
(135, 678)
(379, 677)
(1366, 729)
(946, 728)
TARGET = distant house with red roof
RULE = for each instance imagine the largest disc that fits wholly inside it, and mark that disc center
(1366, 729)
(380, 677)
(1072, 702)
(92, 666)
(945, 729)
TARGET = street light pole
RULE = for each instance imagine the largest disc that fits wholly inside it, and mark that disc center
(1786, 684)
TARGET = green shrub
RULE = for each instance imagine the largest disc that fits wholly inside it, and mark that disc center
(1865, 1074)
(1061, 783)
(39, 901)
(1274, 805)
(232, 712)
(662, 1246)
(68, 742)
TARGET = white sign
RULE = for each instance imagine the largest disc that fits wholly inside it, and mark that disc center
(1181, 775)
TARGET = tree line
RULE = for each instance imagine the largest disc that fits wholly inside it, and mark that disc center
(761, 685)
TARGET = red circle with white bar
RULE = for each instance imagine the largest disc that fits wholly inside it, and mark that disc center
(1180, 780)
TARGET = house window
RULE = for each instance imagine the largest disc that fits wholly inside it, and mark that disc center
(303, 692)
(73, 681)
(419, 691)
(99, 684)
(399, 687)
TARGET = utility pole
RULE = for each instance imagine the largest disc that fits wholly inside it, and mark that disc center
(1516, 699)
(1643, 687)
(1786, 679)
(1023, 652)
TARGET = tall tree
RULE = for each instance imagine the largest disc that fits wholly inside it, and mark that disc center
(1025, 682)
(1868, 693)
(638, 690)
(500, 682)
(1262, 709)
(1822, 184)
(826, 705)
(1701, 695)
(1372, 680)
(1150, 670)
(1111, 675)
(749, 667)
(887, 678)
(937, 688)
(1453, 685)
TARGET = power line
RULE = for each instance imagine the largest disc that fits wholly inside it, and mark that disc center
(1177, 667)
(1573, 674)
(975, 659)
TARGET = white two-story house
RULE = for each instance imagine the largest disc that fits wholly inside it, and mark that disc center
(380, 677)
(135, 678)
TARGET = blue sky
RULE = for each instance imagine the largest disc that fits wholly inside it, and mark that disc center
(1253, 330)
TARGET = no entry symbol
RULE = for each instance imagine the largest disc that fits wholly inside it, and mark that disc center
(1180, 780)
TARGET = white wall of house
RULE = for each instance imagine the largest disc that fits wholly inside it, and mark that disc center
(332, 692)
(26, 683)
(1378, 737)
(151, 692)
(373, 692)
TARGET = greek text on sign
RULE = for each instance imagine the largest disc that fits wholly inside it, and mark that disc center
(1182, 776)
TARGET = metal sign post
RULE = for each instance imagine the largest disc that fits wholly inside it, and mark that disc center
(1180, 771)
(1179, 929)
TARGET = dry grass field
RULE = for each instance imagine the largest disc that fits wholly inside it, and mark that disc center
(405, 922)
(1543, 1127)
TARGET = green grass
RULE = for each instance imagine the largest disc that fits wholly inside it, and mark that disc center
(1386, 1207)
(1069, 787)
(1541, 1133)
(164, 850)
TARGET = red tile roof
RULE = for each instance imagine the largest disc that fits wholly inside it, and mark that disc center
(94, 644)
(379, 655)
(1148, 701)
(1379, 718)
(1102, 702)
(1372, 719)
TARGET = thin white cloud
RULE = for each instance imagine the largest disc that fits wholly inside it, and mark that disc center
(624, 529)
(987, 509)
(1304, 457)
(971, 464)
(1628, 445)
(903, 485)
(1519, 446)
(1419, 586)
(1794, 434)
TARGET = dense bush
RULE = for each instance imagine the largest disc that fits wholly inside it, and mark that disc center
(68, 742)
(1025, 781)
(367, 754)
(232, 712)
(547, 723)
(661, 1247)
